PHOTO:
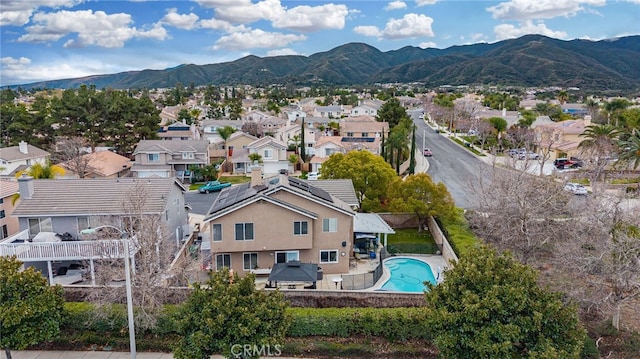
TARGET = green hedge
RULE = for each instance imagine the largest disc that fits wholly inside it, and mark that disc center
(83, 325)
(458, 233)
(394, 324)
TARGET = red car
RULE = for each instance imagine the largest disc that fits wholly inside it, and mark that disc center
(427, 152)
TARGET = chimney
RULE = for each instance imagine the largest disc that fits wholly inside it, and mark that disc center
(24, 148)
(25, 186)
(256, 175)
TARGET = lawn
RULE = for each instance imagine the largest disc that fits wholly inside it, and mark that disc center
(409, 240)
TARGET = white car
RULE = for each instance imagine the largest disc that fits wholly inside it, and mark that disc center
(529, 155)
(312, 176)
(575, 188)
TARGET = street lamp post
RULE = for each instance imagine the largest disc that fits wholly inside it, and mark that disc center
(127, 269)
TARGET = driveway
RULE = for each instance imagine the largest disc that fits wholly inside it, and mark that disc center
(200, 202)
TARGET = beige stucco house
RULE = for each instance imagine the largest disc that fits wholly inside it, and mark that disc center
(256, 224)
(562, 138)
(169, 158)
(8, 224)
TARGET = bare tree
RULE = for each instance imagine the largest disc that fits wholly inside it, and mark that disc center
(152, 252)
(604, 260)
(520, 212)
(71, 153)
(545, 140)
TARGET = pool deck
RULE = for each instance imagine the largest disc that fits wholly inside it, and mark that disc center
(330, 282)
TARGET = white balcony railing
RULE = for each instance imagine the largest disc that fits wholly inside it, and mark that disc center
(71, 250)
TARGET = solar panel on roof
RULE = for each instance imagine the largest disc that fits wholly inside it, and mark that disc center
(358, 139)
(304, 186)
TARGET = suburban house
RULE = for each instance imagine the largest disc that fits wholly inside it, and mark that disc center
(19, 158)
(169, 158)
(102, 164)
(562, 138)
(210, 128)
(8, 224)
(255, 225)
(179, 131)
(273, 154)
(364, 110)
(52, 213)
(363, 126)
(324, 148)
(333, 111)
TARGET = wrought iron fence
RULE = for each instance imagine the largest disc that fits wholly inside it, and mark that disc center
(365, 280)
(414, 248)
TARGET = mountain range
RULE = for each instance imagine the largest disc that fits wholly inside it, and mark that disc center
(611, 65)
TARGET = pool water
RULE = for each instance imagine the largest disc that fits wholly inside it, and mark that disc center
(407, 275)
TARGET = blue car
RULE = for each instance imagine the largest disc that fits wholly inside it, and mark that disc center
(213, 186)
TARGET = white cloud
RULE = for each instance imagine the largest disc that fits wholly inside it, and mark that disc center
(282, 52)
(243, 11)
(312, 18)
(395, 5)
(21, 71)
(410, 26)
(541, 9)
(92, 28)
(425, 2)
(18, 12)
(507, 31)
(301, 18)
(255, 39)
(181, 21)
(157, 32)
(426, 45)
(368, 31)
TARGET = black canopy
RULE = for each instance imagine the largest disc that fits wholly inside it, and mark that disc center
(294, 271)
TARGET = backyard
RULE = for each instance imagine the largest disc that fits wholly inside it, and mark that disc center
(410, 240)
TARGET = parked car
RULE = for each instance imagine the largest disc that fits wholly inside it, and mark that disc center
(575, 188)
(427, 152)
(528, 155)
(213, 186)
(562, 163)
(312, 176)
(516, 152)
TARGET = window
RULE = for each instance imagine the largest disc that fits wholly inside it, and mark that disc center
(187, 155)
(217, 232)
(300, 228)
(329, 256)
(365, 134)
(37, 225)
(329, 151)
(223, 260)
(2, 214)
(87, 222)
(329, 224)
(244, 231)
(153, 157)
(5, 233)
(349, 134)
(1, 200)
(249, 261)
(268, 153)
(284, 257)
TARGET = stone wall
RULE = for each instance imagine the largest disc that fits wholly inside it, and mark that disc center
(296, 298)
(441, 240)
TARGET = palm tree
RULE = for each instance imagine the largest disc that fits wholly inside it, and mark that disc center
(601, 141)
(630, 149)
(43, 171)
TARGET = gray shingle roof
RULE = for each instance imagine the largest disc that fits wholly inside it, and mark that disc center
(341, 188)
(94, 196)
(13, 153)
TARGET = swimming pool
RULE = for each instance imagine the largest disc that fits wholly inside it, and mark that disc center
(407, 275)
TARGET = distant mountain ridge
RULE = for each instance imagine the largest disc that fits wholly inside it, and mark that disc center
(531, 60)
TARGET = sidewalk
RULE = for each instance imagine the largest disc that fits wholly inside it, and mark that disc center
(36, 354)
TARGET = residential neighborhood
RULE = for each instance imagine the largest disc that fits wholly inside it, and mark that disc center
(312, 198)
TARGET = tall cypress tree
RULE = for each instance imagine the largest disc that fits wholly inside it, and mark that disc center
(384, 153)
(303, 154)
(412, 159)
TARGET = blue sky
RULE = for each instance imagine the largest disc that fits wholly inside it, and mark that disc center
(55, 39)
